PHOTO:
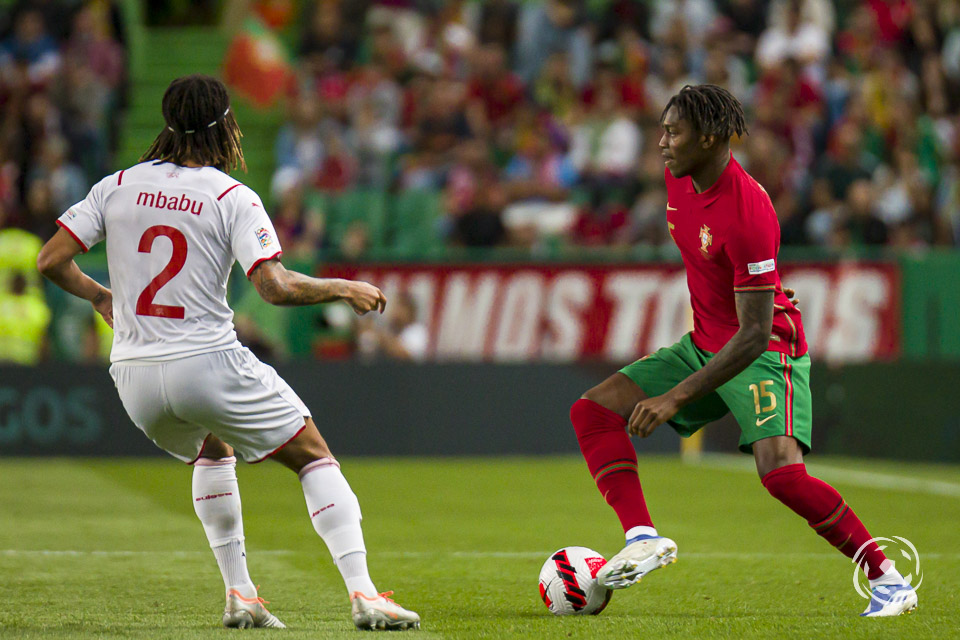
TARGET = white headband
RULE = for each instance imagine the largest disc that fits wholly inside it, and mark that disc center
(208, 126)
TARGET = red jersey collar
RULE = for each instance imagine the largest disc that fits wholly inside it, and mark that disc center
(717, 188)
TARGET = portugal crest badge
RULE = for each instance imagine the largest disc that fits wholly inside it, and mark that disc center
(706, 239)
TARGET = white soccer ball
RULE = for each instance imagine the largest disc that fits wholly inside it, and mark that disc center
(568, 582)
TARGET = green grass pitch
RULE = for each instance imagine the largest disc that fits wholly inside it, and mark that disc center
(112, 549)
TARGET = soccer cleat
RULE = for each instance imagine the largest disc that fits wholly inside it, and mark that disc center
(891, 600)
(642, 555)
(381, 613)
(246, 613)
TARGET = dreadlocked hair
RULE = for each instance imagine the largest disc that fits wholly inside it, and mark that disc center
(712, 110)
(199, 126)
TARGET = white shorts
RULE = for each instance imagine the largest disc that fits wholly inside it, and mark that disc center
(229, 393)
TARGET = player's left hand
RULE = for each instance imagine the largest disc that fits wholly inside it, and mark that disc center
(651, 413)
(364, 297)
(103, 304)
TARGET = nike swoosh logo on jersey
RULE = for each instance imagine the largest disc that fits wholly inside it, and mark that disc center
(760, 422)
(669, 208)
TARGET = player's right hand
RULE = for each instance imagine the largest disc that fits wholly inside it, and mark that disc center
(790, 293)
(363, 297)
(103, 304)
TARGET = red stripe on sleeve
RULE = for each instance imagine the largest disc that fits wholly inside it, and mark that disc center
(232, 187)
(73, 235)
(761, 287)
(258, 262)
(120, 177)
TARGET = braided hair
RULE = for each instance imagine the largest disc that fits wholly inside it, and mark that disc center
(712, 110)
(199, 126)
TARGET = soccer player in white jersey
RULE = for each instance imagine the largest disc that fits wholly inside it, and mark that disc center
(174, 225)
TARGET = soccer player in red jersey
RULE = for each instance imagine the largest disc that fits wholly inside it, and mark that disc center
(746, 355)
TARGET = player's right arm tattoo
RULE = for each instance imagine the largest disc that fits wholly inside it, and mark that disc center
(278, 286)
(755, 314)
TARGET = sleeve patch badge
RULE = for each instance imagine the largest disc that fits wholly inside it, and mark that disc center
(264, 237)
(755, 268)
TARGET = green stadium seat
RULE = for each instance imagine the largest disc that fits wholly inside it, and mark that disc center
(363, 205)
(416, 214)
(319, 201)
(580, 196)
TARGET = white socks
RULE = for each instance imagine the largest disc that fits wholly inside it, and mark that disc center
(335, 514)
(216, 499)
(232, 560)
(333, 508)
(890, 576)
(353, 568)
(633, 532)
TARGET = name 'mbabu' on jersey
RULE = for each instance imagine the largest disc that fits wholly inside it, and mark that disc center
(160, 200)
(172, 236)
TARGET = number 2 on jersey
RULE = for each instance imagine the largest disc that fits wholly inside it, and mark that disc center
(145, 305)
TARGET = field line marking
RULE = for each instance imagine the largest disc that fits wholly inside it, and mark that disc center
(870, 479)
(746, 555)
(736, 555)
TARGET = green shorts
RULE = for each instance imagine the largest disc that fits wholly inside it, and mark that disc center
(771, 397)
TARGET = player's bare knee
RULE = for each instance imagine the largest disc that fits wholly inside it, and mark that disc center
(591, 395)
(775, 452)
(602, 394)
(618, 393)
(216, 449)
(309, 446)
(313, 442)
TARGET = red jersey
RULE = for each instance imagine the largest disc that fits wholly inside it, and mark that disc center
(729, 238)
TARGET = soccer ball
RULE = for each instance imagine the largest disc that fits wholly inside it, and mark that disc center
(568, 582)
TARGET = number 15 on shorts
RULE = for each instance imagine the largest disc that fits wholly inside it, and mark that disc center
(764, 401)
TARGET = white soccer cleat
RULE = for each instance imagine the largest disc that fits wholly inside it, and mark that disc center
(890, 600)
(637, 559)
(381, 613)
(246, 613)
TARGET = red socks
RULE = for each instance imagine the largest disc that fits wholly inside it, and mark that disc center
(612, 461)
(825, 510)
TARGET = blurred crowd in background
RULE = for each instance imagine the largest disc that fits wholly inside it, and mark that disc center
(537, 122)
(423, 125)
(63, 80)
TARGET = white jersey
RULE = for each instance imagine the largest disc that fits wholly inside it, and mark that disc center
(173, 234)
